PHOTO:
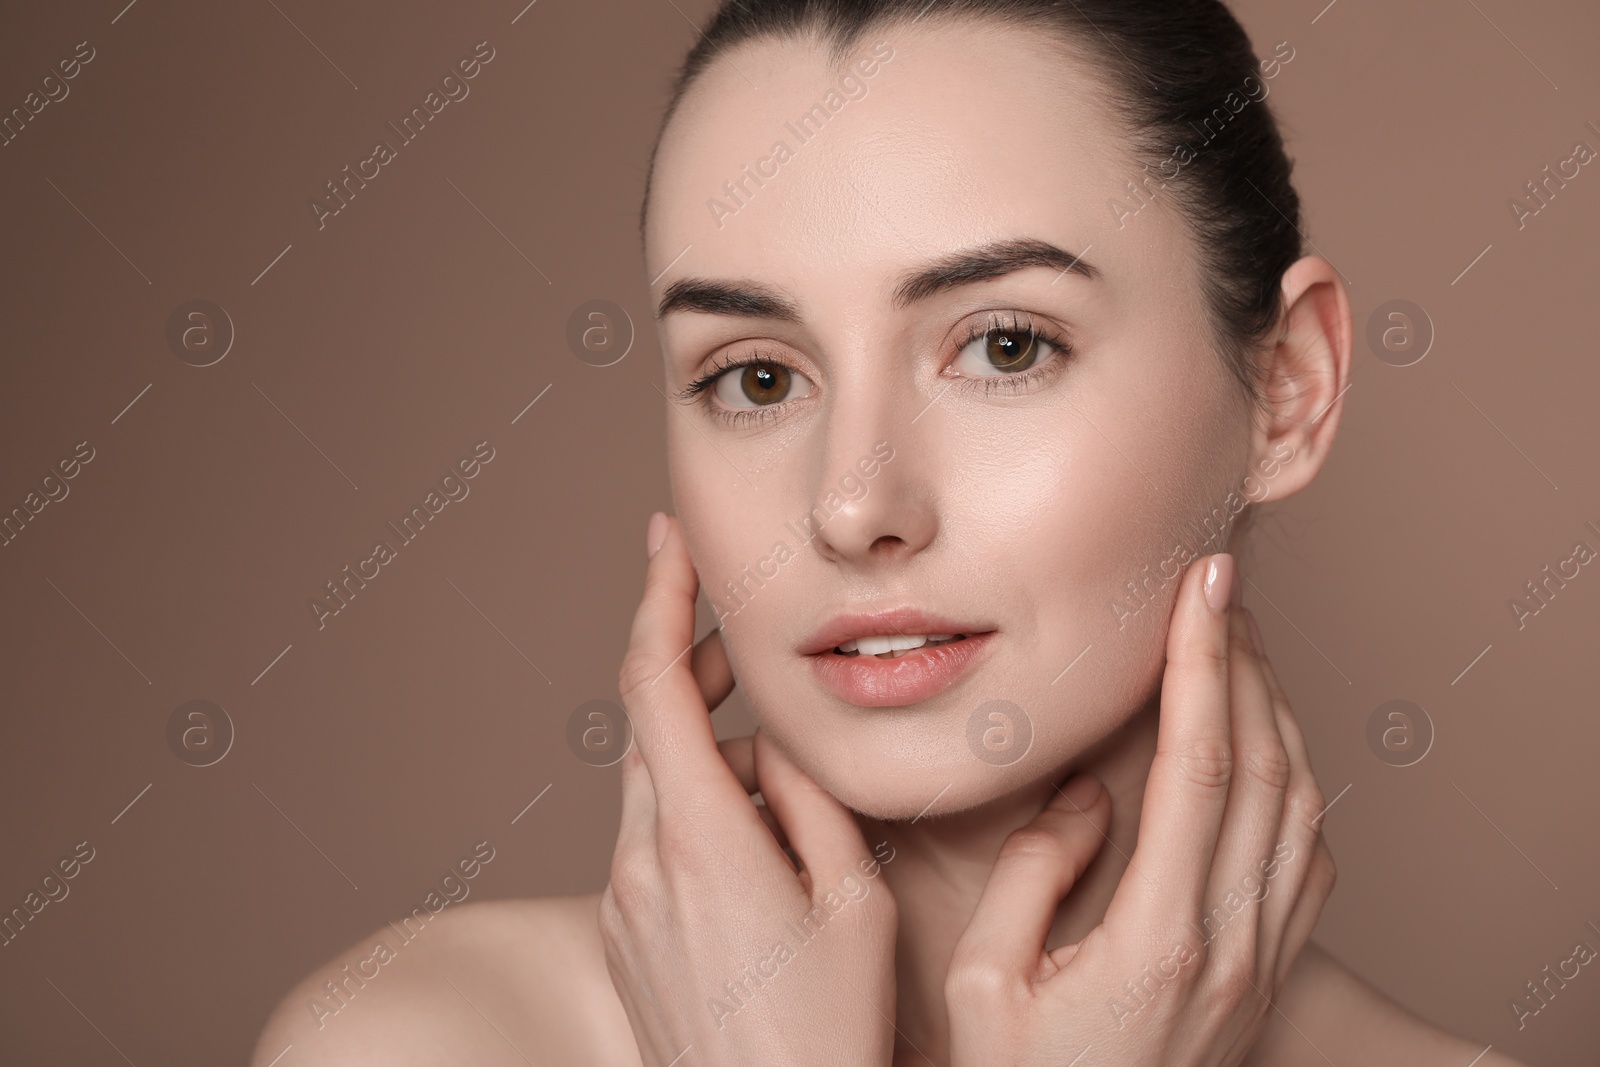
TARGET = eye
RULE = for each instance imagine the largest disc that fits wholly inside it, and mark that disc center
(1001, 350)
(760, 384)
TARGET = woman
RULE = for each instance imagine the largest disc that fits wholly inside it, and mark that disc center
(983, 324)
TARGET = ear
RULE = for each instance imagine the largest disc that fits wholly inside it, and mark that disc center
(1305, 374)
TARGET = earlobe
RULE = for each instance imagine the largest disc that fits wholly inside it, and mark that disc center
(1305, 376)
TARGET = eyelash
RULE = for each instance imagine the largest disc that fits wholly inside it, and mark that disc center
(1008, 383)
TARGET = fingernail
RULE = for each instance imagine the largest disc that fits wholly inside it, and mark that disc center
(1255, 632)
(1220, 572)
(1083, 790)
(655, 534)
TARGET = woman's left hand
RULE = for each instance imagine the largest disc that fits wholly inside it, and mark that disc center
(1222, 892)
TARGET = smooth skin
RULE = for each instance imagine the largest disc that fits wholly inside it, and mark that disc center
(1004, 912)
(700, 883)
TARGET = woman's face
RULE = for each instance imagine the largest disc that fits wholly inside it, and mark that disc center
(903, 458)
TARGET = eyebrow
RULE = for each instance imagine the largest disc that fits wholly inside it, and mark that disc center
(981, 263)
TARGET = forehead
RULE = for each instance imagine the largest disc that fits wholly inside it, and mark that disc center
(923, 137)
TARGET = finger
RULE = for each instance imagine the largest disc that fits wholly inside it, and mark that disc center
(771, 822)
(821, 831)
(1252, 818)
(1299, 831)
(637, 828)
(1038, 864)
(1302, 921)
(712, 671)
(1187, 790)
(739, 752)
(671, 723)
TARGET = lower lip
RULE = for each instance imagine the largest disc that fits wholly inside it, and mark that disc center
(871, 682)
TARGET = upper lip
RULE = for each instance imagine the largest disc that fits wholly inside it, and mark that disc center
(841, 628)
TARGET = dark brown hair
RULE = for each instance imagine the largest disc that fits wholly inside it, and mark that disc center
(1170, 65)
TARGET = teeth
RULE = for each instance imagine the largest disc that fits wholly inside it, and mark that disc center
(878, 646)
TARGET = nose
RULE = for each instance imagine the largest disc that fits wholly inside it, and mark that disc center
(873, 507)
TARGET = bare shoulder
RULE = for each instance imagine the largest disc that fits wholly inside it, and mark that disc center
(1327, 1012)
(503, 981)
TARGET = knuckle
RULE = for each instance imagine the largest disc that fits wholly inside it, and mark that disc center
(1233, 986)
(1179, 967)
(1204, 761)
(638, 670)
(679, 844)
(610, 916)
(1032, 843)
(975, 980)
(1269, 765)
(1306, 802)
(1324, 870)
(632, 889)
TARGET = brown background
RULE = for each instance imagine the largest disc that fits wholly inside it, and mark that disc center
(408, 329)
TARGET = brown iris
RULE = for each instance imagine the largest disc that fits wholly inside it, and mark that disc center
(765, 383)
(1008, 350)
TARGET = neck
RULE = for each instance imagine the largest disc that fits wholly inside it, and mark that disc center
(941, 865)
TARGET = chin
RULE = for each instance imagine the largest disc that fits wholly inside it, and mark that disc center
(917, 795)
(938, 758)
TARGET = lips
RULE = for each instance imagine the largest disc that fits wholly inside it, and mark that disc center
(897, 622)
(895, 658)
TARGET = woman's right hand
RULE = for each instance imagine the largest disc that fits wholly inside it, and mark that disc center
(714, 941)
(1222, 891)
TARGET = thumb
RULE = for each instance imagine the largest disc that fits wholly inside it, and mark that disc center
(1037, 865)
